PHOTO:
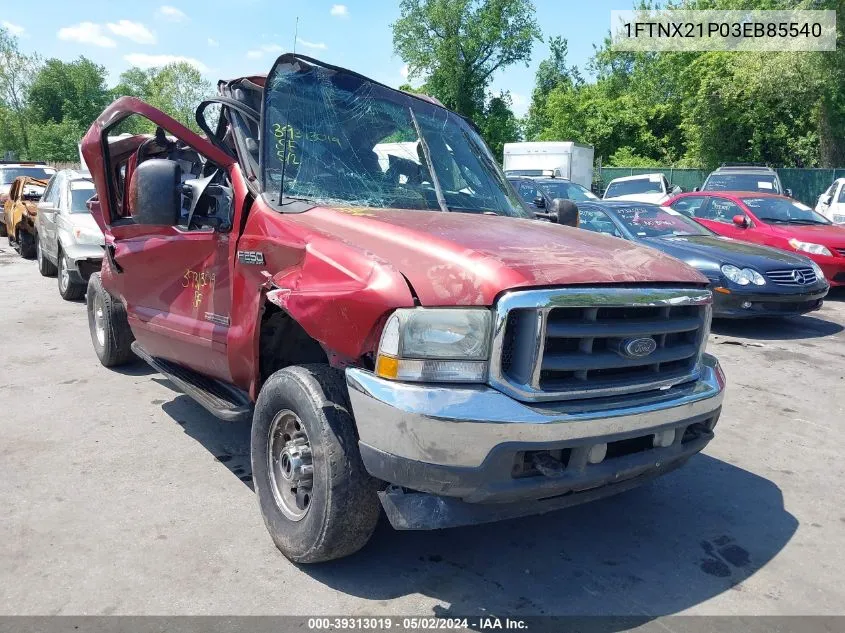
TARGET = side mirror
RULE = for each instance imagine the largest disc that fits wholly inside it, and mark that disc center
(676, 190)
(564, 212)
(826, 200)
(696, 188)
(540, 202)
(787, 193)
(155, 193)
(742, 221)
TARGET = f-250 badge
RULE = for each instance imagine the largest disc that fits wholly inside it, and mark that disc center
(251, 257)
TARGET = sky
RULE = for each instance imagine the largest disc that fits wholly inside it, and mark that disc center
(233, 38)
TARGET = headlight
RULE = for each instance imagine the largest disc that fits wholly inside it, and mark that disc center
(743, 276)
(435, 345)
(809, 247)
(86, 236)
(818, 270)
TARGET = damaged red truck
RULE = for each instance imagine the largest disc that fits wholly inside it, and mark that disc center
(346, 265)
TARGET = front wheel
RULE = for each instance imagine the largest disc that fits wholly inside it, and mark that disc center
(108, 324)
(317, 499)
(69, 289)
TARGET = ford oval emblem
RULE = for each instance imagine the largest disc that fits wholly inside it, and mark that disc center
(639, 347)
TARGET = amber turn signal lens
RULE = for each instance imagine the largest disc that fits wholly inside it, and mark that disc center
(724, 291)
(387, 366)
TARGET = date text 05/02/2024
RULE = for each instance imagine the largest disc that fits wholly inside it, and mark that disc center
(425, 623)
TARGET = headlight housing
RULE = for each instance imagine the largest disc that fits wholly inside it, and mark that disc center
(435, 345)
(87, 236)
(809, 247)
(818, 270)
(743, 276)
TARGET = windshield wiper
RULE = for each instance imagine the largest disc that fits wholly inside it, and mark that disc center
(775, 220)
(804, 221)
(438, 191)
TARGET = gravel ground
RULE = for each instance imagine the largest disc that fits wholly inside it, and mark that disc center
(119, 495)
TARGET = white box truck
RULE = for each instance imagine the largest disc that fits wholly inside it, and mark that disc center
(561, 159)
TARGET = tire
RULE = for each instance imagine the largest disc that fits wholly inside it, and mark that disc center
(26, 242)
(45, 266)
(3, 232)
(69, 289)
(111, 337)
(343, 506)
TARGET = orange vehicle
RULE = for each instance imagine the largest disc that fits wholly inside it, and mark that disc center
(19, 213)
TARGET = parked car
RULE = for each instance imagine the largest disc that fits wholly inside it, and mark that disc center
(70, 244)
(831, 204)
(747, 280)
(641, 188)
(10, 170)
(744, 177)
(539, 193)
(387, 320)
(770, 220)
(19, 213)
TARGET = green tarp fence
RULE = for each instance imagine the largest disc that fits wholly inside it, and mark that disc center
(806, 184)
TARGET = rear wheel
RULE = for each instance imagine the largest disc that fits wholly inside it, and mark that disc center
(108, 324)
(26, 242)
(45, 266)
(3, 231)
(69, 289)
(317, 499)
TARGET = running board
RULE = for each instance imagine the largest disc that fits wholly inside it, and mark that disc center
(218, 398)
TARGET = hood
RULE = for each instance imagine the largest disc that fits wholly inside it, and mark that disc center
(708, 253)
(653, 198)
(827, 235)
(84, 221)
(467, 259)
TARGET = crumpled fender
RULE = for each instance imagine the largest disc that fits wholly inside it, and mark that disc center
(340, 296)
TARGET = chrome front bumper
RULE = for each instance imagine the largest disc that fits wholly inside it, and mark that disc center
(459, 426)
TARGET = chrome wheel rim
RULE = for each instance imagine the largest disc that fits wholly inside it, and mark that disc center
(99, 321)
(64, 275)
(290, 465)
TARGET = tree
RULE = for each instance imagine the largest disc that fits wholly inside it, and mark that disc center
(176, 89)
(499, 125)
(700, 108)
(551, 73)
(57, 142)
(134, 82)
(457, 45)
(16, 73)
(68, 90)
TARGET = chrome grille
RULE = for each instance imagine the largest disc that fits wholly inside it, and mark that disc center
(570, 343)
(841, 251)
(793, 276)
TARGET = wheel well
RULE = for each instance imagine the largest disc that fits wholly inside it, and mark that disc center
(284, 342)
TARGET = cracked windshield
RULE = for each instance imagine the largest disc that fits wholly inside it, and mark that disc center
(341, 140)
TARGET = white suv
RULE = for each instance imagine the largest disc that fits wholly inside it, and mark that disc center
(831, 204)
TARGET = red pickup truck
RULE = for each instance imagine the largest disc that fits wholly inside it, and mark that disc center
(346, 266)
